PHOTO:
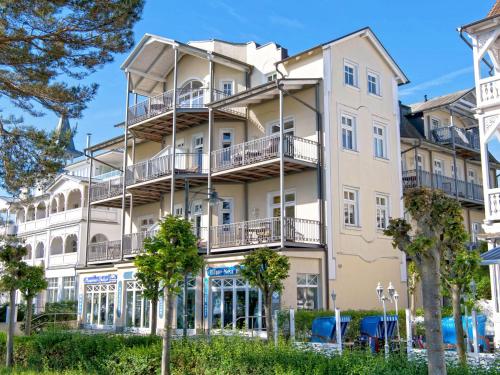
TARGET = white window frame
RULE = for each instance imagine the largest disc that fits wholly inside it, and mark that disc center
(271, 205)
(471, 176)
(222, 210)
(145, 217)
(420, 163)
(372, 73)
(270, 125)
(354, 203)
(475, 230)
(435, 170)
(352, 129)
(382, 211)
(224, 82)
(70, 289)
(355, 69)
(383, 138)
(309, 285)
(271, 76)
(431, 123)
(179, 210)
(52, 290)
(221, 136)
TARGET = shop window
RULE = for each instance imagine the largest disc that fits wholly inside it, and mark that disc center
(307, 291)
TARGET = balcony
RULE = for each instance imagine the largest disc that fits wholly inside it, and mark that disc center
(266, 232)
(489, 91)
(152, 118)
(107, 193)
(104, 251)
(468, 192)
(63, 259)
(464, 139)
(257, 159)
(148, 179)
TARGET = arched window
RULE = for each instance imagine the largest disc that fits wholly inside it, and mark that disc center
(56, 246)
(60, 202)
(53, 205)
(21, 216)
(99, 237)
(191, 94)
(29, 252)
(74, 199)
(41, 210)
(31, 213)
(39, 251)
(71, 245)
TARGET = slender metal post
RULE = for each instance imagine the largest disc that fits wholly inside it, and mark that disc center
(475, 342)
(452, 130)
(417, 172)
(174, 131)
(210, 136)
(338, 330)
(124, 175)
(386, 342)
(282, 174)
(292, 325)
(87, 242)
(185, 289)
(409, 341)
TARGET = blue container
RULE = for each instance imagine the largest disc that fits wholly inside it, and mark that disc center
(324, 328)
(449, 336)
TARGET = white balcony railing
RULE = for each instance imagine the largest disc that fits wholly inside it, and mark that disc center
(263, 149)
(63, 259)
(265, 231)
(489, 90)
(493, 204)
(106, 189)
(104, 251)
(185, 163)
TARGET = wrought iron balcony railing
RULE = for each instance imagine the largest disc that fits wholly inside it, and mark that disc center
(465, 190)
(263, 149)
(106, 189)
(468, 138)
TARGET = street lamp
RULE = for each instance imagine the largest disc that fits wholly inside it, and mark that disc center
(396, 298)
(383, 298)
(334, 299)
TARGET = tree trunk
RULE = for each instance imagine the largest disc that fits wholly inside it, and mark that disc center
(154, 316)
(432, 314)
(10, 332)
(29, 316)
(268, 311)
(459, 329)
(167, 333)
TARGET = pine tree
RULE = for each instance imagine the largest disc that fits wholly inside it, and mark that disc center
(47, 48)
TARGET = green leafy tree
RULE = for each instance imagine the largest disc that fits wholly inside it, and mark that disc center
(266, 269)
(413, 280)
(14, 270)
(146, 274)
(31, 284)
(434, 219)
(47, 47)
(173, 253)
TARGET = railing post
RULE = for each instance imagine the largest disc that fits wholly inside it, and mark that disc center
(275, 327)
(292, 325)
(409, 340)
(338, 329)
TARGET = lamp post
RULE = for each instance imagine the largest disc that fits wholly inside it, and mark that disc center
(334, 299)
(383, 298)
(394, 297)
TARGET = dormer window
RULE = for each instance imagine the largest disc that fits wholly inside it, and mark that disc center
(227, 87)
(272, 77)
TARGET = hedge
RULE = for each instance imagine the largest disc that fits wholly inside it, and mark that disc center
(76, 353)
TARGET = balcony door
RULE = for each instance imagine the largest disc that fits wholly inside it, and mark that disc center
(198, 153)
(191, 94)
(288, 129)
(438, 169)
(275, 213)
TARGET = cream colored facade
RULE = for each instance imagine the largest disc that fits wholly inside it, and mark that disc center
(287, 144)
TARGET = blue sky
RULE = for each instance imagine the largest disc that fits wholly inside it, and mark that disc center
(421, 36)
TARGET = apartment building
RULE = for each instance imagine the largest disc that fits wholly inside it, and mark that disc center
(52, 221)
(440, 150)
(483, 37)
(258, 149)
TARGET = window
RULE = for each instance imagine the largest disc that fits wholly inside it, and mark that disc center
(471, 176)
(420, 162)
(52, 289)
(100, 304)
(382, 208)
(435, 123)
(348, 132)
(307, 291)
(226, 142)
(350, 74)
(226, 211)
(137, 306)
(68, 288)
(145, 223)
(227, 87)
(351, 207)
(373, 83)
(438, 167)
(476, 229)
(275, 204)
(191, 299)
(288, 126)
(379, 141)
(272, 77)
(178, 211)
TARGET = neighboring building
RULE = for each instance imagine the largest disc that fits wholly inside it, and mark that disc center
(302, 152)
(484, 35)
(52, 222)
(440, 149)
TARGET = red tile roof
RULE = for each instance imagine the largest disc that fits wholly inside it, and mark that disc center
(495, 10)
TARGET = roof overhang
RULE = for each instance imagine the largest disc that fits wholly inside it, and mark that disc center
(491, 257)
(152, 59)
(481, 25)
(267, 91)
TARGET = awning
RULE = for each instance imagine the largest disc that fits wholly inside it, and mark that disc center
(491, 257)
(264, 92)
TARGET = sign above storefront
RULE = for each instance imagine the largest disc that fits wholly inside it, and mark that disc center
(100, 279)
(223, 271)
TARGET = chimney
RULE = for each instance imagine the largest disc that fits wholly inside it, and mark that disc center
(425, 98)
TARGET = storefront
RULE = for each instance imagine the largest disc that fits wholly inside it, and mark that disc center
(99, 301)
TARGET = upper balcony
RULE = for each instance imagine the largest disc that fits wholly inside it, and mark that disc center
(466, 141)
(147, 179)
(107, 193)
(260, 158)
(469, 193)
(152, 118)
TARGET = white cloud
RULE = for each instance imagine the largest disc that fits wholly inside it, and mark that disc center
(286, 22)
(439, 81)
(218, 4)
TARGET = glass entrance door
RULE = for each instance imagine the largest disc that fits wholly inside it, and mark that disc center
(191, 305)
(100, 304)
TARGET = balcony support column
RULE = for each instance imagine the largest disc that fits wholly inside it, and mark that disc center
(124, 176)
(282, 173)
(210, 161)
(431, 174)
(466, 182)
(130, 212)
(89, 187)
(452, 130)
(417, 174)
(174, 130)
